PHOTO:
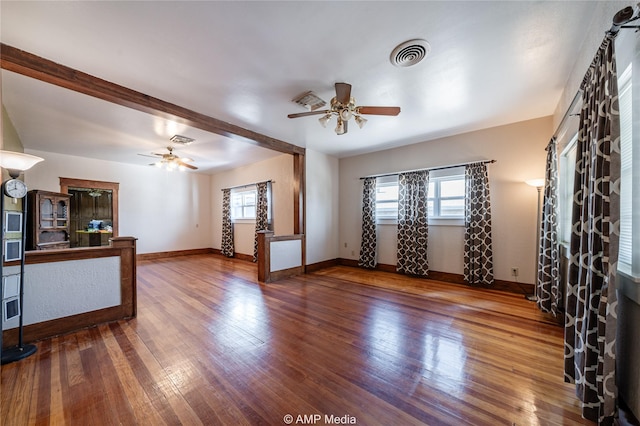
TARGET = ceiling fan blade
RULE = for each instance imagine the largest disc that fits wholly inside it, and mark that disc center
(189, 166)
(343, 93)
(304, 114)
(147, 155)
(378, 110)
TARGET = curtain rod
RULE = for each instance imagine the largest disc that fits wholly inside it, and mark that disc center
(248, 184)
(624, 16)
(430, 168)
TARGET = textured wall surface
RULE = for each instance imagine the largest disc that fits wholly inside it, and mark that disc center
(60, 289)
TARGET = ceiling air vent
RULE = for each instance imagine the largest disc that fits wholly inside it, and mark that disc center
(410, 53)
(181, 140)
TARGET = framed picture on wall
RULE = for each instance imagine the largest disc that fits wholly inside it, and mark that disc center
(11, 308)
(12, 221)
(12, 250)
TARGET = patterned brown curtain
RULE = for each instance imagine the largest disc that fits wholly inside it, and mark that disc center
(478, 252)
(591, 309)
(227, 226)
(412, 223)
(549, 291)
(368, 245)
(262, 214)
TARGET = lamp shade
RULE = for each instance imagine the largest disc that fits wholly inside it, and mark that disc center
(17, 161)
(535, 182)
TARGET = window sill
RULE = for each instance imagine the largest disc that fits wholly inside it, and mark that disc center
(625, 271)
(244, 221)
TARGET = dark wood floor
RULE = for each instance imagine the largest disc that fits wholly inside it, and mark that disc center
(212, 346)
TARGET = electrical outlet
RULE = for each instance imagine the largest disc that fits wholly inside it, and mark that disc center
(345, 245)
(353, 252)
(514, 272)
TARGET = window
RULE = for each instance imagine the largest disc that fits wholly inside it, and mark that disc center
(565, 191)
(243, 204)
(625, 100)
(387, 198)
(445, 197)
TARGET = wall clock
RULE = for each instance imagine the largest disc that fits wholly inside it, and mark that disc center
(15, 188)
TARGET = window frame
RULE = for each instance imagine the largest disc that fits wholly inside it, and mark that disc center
(565, 191)
(244, 192)
(629, 218)
(436, 177)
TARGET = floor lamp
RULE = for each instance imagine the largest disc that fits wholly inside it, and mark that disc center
(538, 184)
(15, 163)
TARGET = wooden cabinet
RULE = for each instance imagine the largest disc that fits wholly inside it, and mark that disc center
(47, 220)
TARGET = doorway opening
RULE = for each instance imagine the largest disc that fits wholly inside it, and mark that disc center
(93, 211)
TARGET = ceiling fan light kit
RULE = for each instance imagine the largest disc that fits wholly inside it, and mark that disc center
(343, 106)
(171, 161)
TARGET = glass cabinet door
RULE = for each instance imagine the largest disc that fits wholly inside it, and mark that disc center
(46, 213)
(61, 214)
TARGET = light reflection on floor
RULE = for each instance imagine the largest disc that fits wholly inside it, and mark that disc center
(443, 358)
(243, 323)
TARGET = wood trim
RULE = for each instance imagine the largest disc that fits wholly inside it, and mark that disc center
(265, 275)
(243, 257)
(114, 187)
(239, 256)
(501, 285)
(59, 326)
(30, 65)
(170, 254)
(125, 248)
(62, 255)
(264, 256)
(285, 273)
(299, 201)
(321, 265)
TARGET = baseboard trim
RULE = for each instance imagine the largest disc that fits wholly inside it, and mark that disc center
(239, 256)
(168, 254)
(321, 265)
(501, 285)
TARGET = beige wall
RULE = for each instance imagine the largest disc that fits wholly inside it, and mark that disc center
(519, 151)
(278, 169)
(322, 195)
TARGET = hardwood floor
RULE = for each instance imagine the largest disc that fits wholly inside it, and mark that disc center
(212, 346)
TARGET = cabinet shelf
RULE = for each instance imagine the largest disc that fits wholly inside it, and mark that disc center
(47, 220)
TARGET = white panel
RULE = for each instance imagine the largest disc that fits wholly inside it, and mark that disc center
(11, 285)
(286, 254)
(60, 289)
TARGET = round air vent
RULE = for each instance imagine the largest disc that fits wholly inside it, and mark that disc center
(410, 53)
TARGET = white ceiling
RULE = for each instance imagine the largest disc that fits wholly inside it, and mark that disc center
(491, 63)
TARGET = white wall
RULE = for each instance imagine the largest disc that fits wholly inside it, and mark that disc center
(519, 151)
(61, 289)
(278, 169)
(322, 195)
(165, 210)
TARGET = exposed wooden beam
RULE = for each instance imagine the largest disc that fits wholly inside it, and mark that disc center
(28, 64)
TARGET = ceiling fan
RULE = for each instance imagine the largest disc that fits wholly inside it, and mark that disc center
(170, 160)
(344, 107)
